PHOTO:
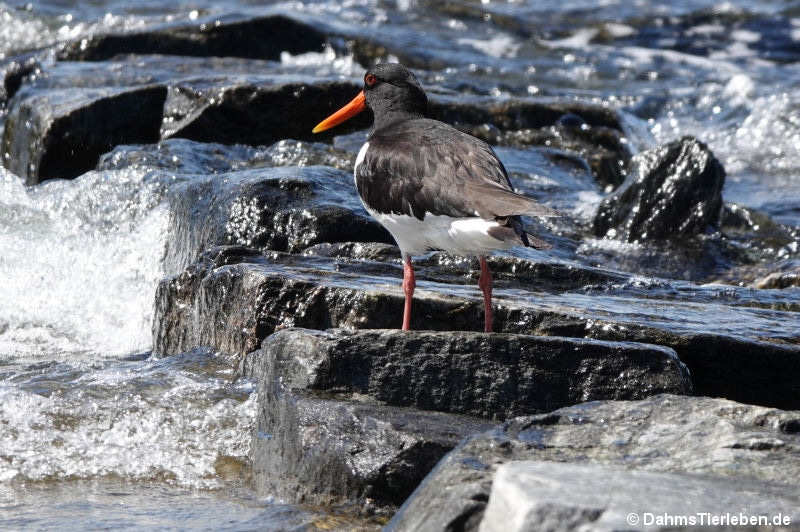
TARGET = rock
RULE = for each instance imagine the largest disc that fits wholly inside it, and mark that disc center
(256, 38)
(779, 280)
(493, 376)
(755, 231)
(317, 451)
(280, 208)
(672, 192)
(518, 113)
(529, 495)
(730, 444)
(233, 298)
(247, 113)
(243, 113)
(61, 133)
(13, 71)
(516, 271)
(256, 299)
(244, 101)
(341, 447)
(595, 133)
(332, 427)
(356, 250)
(189, 157)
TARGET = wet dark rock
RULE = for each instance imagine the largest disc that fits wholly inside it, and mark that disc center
(277, 208)
(13, 71)
(235, 113)
(515, 114)
(779, 280)
(344, 450)
(730, 444)
(755, 230)
(446, 268)
(61, 133)
(233, 307)
(256, 38)
(701, 259)
(257, 299)
(544, 276)
(602, 148)
(492, 376)
(252, 102)
(319, 444)
(672, 192)
(189, 157)
(746, 370)
(571, 121)
(356, 250)
(330, 423)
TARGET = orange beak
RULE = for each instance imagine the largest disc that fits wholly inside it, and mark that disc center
(358, 104)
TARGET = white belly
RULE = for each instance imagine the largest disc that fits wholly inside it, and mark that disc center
(460, 236)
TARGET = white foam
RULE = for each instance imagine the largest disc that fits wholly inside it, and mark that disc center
(579, 39)
(326, 61)
(619, 30)
(80, 263)
(135, 421)
(739, 89)
(705, 29)
(745, 36)
(501, 45)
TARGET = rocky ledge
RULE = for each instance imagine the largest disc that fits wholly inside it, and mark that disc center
(562, 468)
(233, 298)
(364, 415)
(74, 112)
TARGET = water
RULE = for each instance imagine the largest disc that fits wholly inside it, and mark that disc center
(94, 428)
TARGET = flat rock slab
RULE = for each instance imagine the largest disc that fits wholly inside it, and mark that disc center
(234, 297)
(61, 133)
(250, 101)
(256, 113)
(745, 446)
(329, 449)
(258, 38)
(284, 209)
(491, 376)
(529, 495)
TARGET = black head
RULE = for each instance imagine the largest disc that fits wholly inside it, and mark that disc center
(393, 92)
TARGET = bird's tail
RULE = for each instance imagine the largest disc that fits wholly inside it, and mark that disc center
(514, 223)
(532, 242)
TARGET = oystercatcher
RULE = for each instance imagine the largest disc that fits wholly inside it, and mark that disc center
(430, 185)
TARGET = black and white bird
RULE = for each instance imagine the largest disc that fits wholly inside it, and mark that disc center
(430, 185)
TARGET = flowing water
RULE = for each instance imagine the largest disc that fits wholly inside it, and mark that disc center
(95, 432)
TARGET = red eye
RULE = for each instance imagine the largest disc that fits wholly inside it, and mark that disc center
(370, 80)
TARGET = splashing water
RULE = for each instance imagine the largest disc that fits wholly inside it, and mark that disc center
(80, 265)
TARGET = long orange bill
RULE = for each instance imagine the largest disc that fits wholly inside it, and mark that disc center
(347, 112)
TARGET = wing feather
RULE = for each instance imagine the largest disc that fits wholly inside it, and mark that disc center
(421, 166)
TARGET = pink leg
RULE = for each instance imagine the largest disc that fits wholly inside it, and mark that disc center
(408, 287)
(485, 282)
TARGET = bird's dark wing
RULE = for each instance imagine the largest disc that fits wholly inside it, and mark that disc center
(421, 166)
